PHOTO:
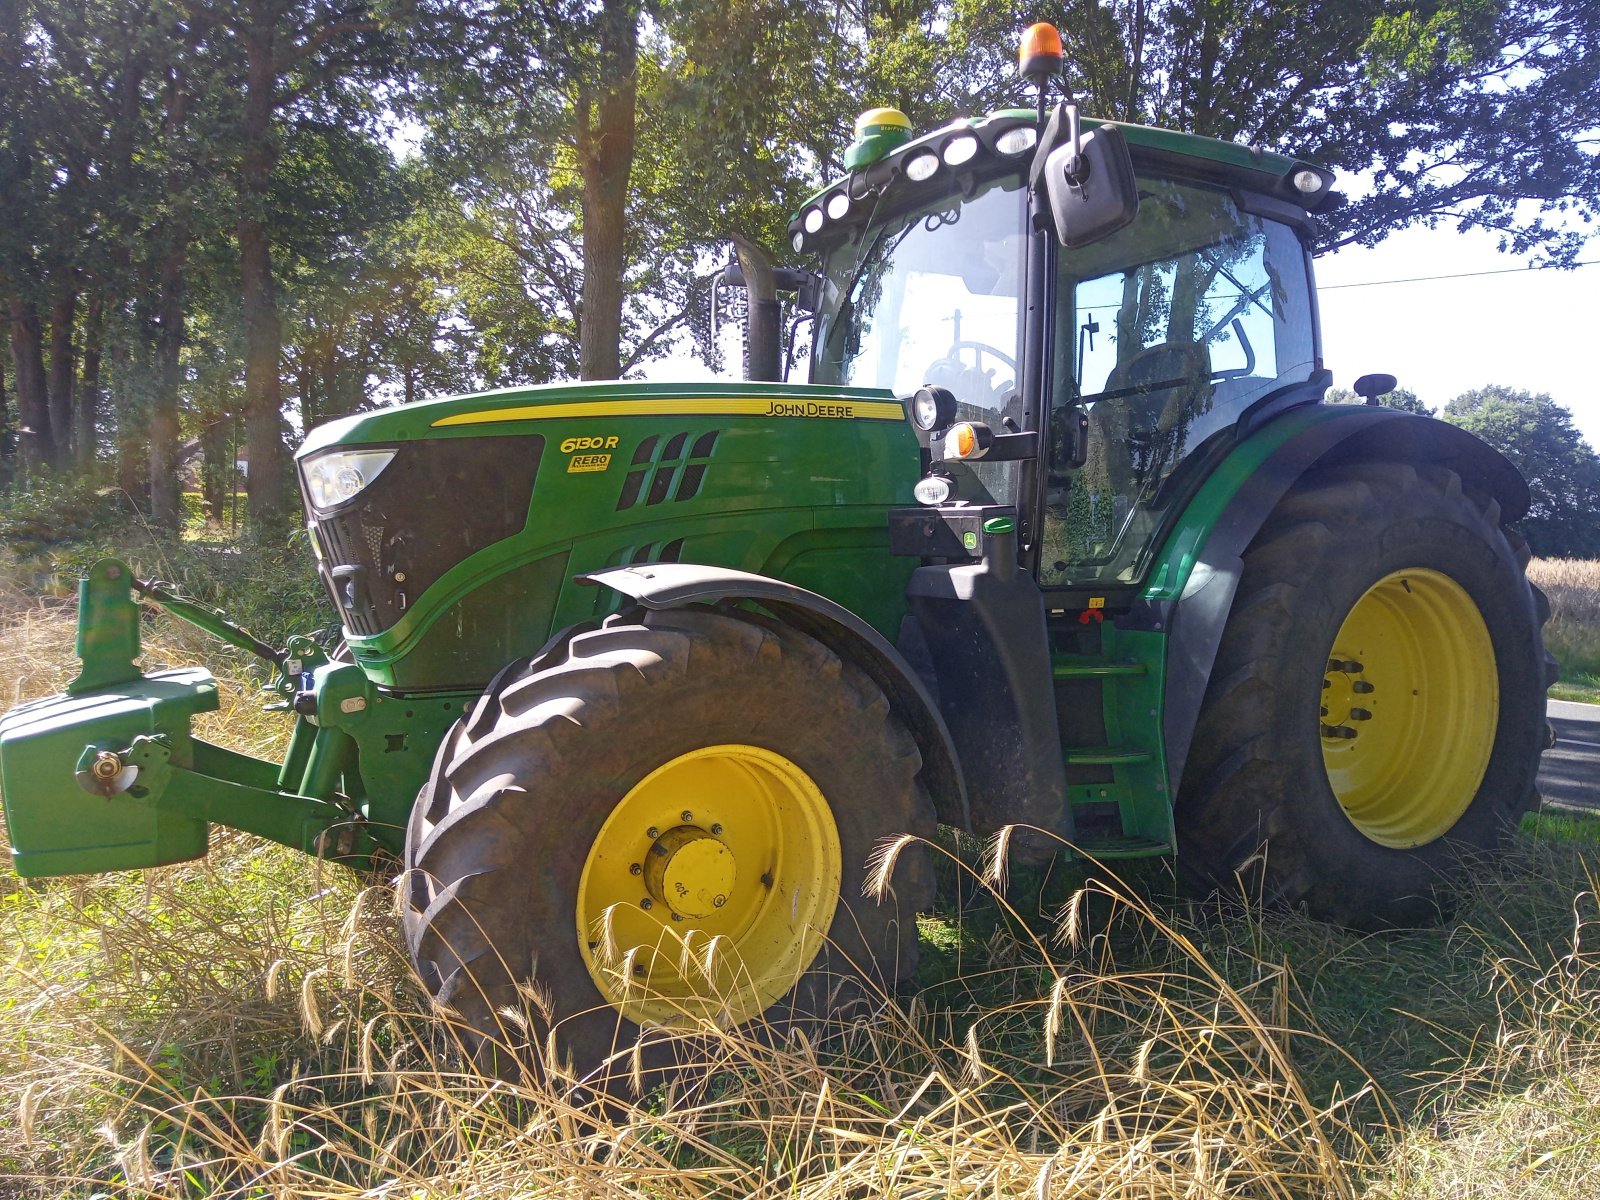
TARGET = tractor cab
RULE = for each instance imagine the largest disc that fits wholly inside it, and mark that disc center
(1107, 376)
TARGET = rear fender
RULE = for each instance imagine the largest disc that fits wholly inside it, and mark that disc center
(1196, 577)
(673, 585)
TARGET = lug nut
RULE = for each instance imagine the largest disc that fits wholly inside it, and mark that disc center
(647, 904)
(1360, 714)
(1362, 688)
(635, 869)
(688, 817)
(1338, 731)
(717, 829)
(652, 833)
(677, 916)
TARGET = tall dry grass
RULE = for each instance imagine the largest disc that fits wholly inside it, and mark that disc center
(1573, 632)
(247, 1026)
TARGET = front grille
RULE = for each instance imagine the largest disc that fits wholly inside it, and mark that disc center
(437, 503)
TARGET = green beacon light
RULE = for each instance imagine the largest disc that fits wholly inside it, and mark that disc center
(878, 131)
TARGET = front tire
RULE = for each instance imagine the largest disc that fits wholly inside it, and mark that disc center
(1377, 703)
(673, 825)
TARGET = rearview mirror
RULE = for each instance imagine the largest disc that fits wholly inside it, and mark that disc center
(1087, 177)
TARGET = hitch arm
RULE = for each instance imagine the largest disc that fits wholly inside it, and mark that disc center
(213, 620)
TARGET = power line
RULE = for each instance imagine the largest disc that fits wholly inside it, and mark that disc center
(1334, 287)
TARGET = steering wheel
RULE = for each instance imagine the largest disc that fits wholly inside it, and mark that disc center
(970, 382)
(980, 349)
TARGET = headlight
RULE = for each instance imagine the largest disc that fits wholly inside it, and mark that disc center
(934, 489)
(922, 167)
(933, 408)
(339, 475)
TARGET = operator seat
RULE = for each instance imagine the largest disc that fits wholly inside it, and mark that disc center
(1143, 419)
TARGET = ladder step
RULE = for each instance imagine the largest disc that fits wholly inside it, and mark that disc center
(1124, 847)
(1094, 668)
(1105, 756)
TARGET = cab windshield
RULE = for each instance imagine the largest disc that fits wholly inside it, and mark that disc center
(934, 296)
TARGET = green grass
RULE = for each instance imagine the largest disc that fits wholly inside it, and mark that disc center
(1581, 688)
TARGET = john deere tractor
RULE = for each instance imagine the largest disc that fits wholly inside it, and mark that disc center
(1059, 536)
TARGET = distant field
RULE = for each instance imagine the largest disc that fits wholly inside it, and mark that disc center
(1573, 634)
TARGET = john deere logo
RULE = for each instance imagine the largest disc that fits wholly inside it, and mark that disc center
(809, 408)
(969, 540)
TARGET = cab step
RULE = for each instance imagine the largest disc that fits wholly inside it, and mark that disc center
(1105, 756)
(1124, 847)
(1077, 667)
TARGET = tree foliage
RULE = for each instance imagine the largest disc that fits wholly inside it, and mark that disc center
(1562, 471)
(210, 240)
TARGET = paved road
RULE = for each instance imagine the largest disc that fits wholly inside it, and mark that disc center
(1570, 774)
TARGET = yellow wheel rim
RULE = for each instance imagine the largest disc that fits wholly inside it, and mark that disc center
(709, 888)
(1410, 702)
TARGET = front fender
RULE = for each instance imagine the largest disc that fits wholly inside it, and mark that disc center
(673, 585)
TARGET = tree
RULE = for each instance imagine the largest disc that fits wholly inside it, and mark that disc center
(1563, 472)
(325, 57)
(1401, 398)
(1476, 112)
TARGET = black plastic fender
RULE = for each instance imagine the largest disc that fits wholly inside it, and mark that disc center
(1194, 622)
(672, 585)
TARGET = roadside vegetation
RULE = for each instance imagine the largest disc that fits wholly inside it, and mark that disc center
(246, 1026)
(1573, 633)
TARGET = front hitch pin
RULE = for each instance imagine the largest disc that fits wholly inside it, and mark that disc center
(104, 772)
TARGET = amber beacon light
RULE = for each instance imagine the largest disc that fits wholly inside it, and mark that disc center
(1040, 53)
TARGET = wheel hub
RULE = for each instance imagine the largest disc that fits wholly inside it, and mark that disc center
(709, 888)
(1409, 707)
(690, 871)
(1347, 699)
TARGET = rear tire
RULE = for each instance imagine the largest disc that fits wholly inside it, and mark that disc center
(531, 892)
(1377, 703)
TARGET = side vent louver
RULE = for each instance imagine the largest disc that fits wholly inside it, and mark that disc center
(669, 473)
(607, 601)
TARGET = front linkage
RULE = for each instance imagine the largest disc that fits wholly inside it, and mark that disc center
(109, 775)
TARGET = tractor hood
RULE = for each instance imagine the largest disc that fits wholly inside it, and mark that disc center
(534, 409)
(449, 532)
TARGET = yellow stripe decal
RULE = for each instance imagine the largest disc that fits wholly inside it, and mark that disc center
(821, 409)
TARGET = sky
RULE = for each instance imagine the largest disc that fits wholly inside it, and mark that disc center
(1536, 330)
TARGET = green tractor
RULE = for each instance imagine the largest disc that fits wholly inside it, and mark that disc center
(648, 686)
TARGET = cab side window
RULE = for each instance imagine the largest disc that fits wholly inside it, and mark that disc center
(1165, 334)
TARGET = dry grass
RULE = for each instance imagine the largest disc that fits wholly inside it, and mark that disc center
(1573, 634)
(247, 1027)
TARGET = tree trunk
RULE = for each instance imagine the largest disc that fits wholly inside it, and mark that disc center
(5, 432)
(263, 390)
(87, 439)
(606, 112)
(63, 315)
(128, 404)
(216, 469)
(166, 501)
(165, 504)
(36, 443)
